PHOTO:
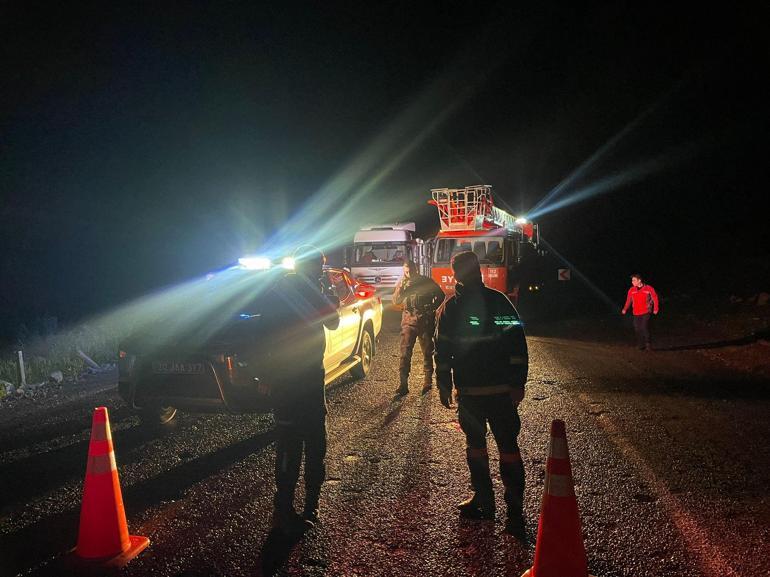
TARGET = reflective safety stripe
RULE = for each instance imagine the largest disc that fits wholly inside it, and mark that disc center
(100, 464)
(510, 457)
(506, 320)
(558, 448)
(513, 360)
(475, 453)
(489, 390)
(559, 485)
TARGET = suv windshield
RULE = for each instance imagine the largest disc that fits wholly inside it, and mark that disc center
(489, 251)
(380, 254)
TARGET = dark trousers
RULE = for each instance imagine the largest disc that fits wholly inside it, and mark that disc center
(642, 330)
(299, 430)
(474, 413)
(422, 331)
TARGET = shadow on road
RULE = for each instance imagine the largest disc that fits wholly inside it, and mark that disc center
(35, 475)
(742, 341)
(73, 422)
(704, 388)
(57, 533)
(275, 551)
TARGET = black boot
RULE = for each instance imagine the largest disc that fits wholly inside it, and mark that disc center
(427, 382)
(475, 508)
(290, 524)
(512, 475)
(403, 388)
(516, 526)
(287, 521)
(482, 504)
(310, 513)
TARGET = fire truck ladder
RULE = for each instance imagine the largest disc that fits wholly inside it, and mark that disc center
(470, 208)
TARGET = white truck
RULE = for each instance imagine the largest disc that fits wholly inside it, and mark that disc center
(378, 254)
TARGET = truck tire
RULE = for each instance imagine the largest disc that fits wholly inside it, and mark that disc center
(366, 353)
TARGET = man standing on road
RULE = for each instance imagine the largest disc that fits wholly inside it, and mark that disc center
(420, 296)
(481, 351)
(300, 313)
(645, 303)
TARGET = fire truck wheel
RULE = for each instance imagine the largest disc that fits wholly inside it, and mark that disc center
(366, 353)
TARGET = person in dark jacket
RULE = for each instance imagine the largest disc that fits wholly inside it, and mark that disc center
(481, 351)
(420, 297)
(300, 313)
(644, 302)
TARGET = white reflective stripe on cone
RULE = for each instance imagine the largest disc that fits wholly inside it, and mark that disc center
(558, 448)
(559, 485)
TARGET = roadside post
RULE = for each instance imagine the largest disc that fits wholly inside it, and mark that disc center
(22, 373)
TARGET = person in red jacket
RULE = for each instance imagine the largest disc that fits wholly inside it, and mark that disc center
(644, 302)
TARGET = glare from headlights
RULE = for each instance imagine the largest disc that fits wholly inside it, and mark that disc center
(288, 263)
(254, 262)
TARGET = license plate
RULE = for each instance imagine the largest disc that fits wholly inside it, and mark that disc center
(177, 368)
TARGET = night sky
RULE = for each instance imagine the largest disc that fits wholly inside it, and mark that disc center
(144, 144)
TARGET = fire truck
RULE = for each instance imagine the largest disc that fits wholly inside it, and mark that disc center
(507, 246)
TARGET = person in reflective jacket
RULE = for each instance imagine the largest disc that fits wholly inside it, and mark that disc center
(420, 297)
(299, 315)
(481, 351)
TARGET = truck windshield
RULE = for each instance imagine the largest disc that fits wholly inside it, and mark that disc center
(380, 254)
(489, 250)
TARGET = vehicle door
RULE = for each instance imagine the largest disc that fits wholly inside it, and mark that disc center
(350, 315)
(333, 337)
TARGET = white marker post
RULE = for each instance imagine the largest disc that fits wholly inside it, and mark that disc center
(22, 373)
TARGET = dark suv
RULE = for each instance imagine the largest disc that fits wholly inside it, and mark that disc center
(219, 360)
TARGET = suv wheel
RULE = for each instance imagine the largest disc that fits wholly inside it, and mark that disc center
(366, 353)
(158, 415)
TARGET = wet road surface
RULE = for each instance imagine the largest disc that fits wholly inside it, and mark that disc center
(669, 454)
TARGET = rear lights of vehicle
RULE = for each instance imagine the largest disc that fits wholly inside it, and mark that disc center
(125, 365)
(365, 291)
(238, 371)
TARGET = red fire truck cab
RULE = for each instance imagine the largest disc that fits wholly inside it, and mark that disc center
(469, 221)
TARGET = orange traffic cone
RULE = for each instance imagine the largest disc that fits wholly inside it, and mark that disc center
(559, 551)
(103, 534)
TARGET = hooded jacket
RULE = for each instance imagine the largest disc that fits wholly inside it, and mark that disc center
(480, 344)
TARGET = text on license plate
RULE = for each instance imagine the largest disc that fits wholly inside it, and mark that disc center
(177, 368)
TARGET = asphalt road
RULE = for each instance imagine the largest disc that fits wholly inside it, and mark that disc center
(669, 453)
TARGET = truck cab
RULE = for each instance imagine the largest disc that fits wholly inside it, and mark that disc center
(378, 254)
